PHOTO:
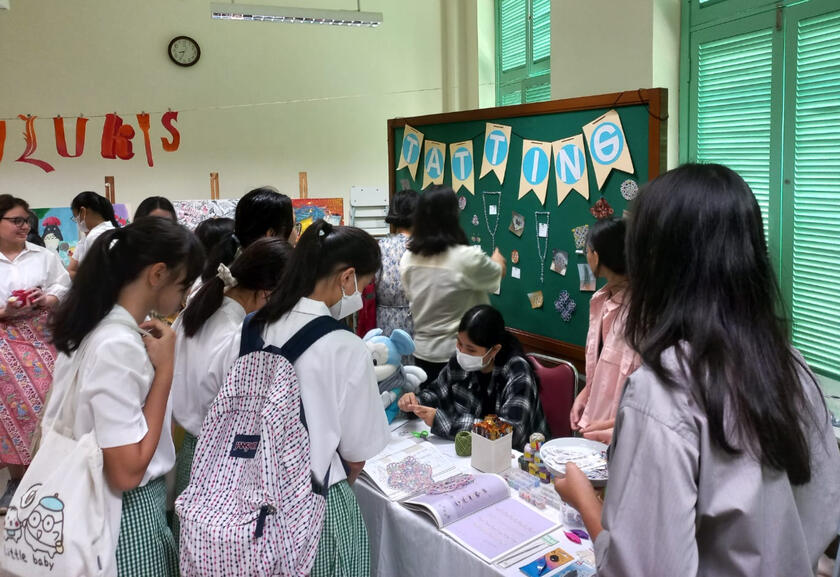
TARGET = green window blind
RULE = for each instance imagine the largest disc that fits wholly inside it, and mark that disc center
(540, 29)
(733, 108)
(523, 51)
(513, 16)
(816, 207)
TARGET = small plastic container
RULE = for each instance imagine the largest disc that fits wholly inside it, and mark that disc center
(491, 456)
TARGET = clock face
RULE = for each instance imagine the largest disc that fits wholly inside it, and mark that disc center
(184, 51)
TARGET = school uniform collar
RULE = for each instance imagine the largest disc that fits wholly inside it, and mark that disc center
(233, 309)
(27, 247)
(119, 313)
(312, 307)
(103, 226)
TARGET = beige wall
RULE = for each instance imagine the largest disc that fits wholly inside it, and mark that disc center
(94, 57)
(600, 46)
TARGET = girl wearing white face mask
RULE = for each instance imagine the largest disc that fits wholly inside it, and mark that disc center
(93, 214)
(487, 375)
(338, 386)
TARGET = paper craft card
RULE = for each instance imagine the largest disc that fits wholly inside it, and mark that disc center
(517, 224)
(559, 261)
(587, 279)
(545, 564)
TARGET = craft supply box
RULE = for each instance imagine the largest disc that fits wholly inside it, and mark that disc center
(491, 456)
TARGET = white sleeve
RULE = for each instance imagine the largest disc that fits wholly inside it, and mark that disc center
(364, 427)
(117, 389)
(480, 271)
(58, 279)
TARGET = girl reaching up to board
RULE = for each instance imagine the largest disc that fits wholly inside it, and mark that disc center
(126, 374)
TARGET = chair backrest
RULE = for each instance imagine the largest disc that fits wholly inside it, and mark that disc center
(558, 386)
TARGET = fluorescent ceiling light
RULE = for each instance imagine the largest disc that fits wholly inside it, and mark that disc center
(256, 13)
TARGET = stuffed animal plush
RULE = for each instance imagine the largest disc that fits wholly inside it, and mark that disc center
(393, 378)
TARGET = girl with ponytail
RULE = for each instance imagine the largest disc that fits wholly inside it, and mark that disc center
(338, 386)
(488, 374)
(204, 330)
(125, 374)
(93, 214)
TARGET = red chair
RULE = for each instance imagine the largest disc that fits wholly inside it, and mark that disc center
(558, 388)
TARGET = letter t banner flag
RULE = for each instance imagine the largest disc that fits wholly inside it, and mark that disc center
(410, 151)
(607, 146)
(496, 150)
(462, 164)
(433, 163)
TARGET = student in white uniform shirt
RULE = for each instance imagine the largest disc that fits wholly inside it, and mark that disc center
(338, 386)
(93, 214)
(204, 331)
(28, 267)
(125, 377)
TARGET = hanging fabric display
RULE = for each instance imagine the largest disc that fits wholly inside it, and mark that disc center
(410, 150)
(433, 163)
(461, 164)
(496, 150)
(536, 162)
(492, 207)
(570, 167)
(607, 146)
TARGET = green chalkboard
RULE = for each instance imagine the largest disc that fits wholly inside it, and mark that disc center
(643, 125)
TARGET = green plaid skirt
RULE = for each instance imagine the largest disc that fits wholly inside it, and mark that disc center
(183, 466)
(146, 547)
(343, 550)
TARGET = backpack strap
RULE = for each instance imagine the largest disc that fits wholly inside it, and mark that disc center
(311, 332)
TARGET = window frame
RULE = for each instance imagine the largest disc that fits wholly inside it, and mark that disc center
(522, 77)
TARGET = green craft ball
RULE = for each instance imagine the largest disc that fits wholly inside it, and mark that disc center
(463, 444)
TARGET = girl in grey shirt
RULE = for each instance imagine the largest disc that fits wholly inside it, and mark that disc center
(723, 462)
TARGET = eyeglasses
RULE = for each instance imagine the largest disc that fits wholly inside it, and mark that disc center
(18, 221)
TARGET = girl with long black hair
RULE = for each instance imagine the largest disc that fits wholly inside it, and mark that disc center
(125, 376)
(723, 461)
(93, 214)
(488, 374)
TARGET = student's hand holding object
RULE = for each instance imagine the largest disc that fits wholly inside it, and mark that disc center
(160, 344)
(576, 490)
(408, 403)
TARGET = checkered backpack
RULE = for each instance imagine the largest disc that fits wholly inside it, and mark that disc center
(252, 506)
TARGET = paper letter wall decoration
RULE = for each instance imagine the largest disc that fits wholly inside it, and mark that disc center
(462, 163)
(32, 144)
(496, 150)
(143, 123)
(116, 138)
(536, 165)
(410, 151)
(61, 140)
(570, 167)
(607, 146)
(433, 163)
(167, 120)
(2, 138)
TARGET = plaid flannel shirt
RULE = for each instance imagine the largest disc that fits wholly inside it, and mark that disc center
(457, 397)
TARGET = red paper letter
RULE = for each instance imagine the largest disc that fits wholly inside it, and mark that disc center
(116, 138)
(61, 141)
(143, 122)
(167, 120)
(32, 144)
(2, 137)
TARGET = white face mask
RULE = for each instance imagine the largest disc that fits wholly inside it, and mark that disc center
(469, 362)
(348, 303)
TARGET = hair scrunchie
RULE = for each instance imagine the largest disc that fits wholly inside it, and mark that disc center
(225, 275)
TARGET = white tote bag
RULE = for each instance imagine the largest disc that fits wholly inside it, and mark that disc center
(58, 523)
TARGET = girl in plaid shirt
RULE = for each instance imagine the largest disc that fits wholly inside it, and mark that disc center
(489, 374)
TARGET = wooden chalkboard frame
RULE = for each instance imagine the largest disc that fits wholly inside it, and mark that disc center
(656, 100)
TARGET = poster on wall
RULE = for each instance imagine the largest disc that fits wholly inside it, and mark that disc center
(61, 234)
(308, 210)
(192, 212)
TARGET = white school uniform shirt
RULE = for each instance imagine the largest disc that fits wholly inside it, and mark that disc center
(84, 245)
(440, 289)
(197, 379)
(338, 389)
(116, 375)
(34, 266)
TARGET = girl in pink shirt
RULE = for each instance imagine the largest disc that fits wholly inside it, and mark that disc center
(609, 360)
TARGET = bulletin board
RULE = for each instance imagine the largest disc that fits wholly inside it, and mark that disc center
(643, 118)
